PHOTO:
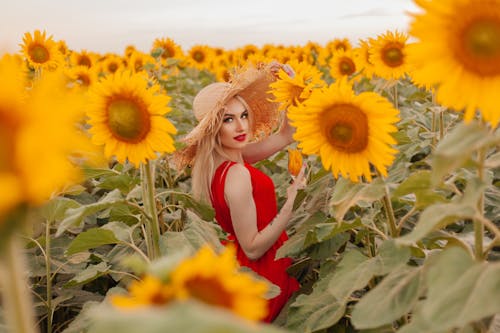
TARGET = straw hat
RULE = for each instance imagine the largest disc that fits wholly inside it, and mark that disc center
(251, 87)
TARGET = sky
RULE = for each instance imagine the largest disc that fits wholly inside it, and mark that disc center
(111, 25)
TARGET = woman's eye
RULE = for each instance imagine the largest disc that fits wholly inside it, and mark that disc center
(244, 115)
(228, 120)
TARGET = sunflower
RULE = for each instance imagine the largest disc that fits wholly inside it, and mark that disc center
(83, 76)
(348, 131)
(137, 61)
(291, 91)
(12, 118)
(388, 55)
(41, 50)
(128, 118)
(339, 44)
(344, 63)
(111, 63)
(169, 48)
(215, 280)
(362, 54)
(460, 56)
(83, 58)
(199, 56)
(150, 291)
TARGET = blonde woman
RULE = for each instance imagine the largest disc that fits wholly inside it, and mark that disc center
(235, 129)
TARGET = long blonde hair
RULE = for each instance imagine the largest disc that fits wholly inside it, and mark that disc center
(204, 166)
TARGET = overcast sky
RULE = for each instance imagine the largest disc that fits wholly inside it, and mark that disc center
(111, 25)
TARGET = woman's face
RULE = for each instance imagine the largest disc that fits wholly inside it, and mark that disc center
(234, 132)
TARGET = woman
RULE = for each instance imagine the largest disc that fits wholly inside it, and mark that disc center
(236, 120)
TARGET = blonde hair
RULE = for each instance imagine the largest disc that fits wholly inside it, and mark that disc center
(204, 166)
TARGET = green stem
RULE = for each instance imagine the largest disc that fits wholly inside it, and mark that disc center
(150, 205)
(433, 129)
(441, 125)
(48, 264)
(396, 104)
(478, 225)
(16, 299)
(389, 211)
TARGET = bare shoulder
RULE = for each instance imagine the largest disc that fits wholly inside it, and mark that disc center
(237, 180)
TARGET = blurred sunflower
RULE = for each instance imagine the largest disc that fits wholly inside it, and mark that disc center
(199, 56)
(295, 161)
(150, 291)
(344, 64)
(362, 54)
(83, 58)
(169, 48)
(460, 56)
(292, 91)
(83, 76)
(348, 131)
(111, 63)
(37, 128)
(128, 118)
(215, 280)
(388, 55)
(41, 50)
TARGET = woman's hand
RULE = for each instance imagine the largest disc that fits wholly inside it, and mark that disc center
(298, 183)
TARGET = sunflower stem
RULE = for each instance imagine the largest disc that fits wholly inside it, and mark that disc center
(17, 303)
(389, 211)
(396, 104)
(150, 204)
(48, 264)
(441, 125)
(478, 224)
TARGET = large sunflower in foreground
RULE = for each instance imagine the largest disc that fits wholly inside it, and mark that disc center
(293, 90)
(348, 131)
(41, 50)
(388, 55)
(460, 56)
(215, 280)
(128, 118)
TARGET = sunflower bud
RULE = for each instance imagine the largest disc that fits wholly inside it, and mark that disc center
(294, 161)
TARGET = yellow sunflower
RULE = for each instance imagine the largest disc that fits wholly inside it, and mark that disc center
(128, 118)
(169, 48)
(344, 64)
(348, 131)
(362, 54)
(41, 50)
(215, 280)
(199, 56)
(150, 291)
(83, 76)
(461, 56)
(83, 58)
(339, 44)
(291, 91)
(389, 56)
(111, 63)
(12, 118)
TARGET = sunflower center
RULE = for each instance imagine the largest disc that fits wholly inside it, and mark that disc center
(481, 47)
(392, 54)
(346, 128)
(39, 54)
(84, 61)
(84, 79)
(112, 67)
(347, 66)
(199, 56)
(209, 291)
(128, 120)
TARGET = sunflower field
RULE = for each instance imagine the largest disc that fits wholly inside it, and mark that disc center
(397, 230)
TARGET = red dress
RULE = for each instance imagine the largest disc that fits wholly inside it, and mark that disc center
(265, 203)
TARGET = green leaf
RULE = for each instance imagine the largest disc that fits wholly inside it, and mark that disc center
(457, 147)
(185, 317)
(204, 211)
(440, 215)
(75, 216)
(90, 239)
(89, 274)
(394, 297)
(419, 183)
(460, 291)
(346, 194)
(55, 209)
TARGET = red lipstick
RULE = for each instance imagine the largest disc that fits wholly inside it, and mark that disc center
(240, 137)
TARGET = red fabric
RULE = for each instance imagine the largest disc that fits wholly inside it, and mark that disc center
(265, 202)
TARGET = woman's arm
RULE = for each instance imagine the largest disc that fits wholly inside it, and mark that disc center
(256, 151)
(238, 195)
